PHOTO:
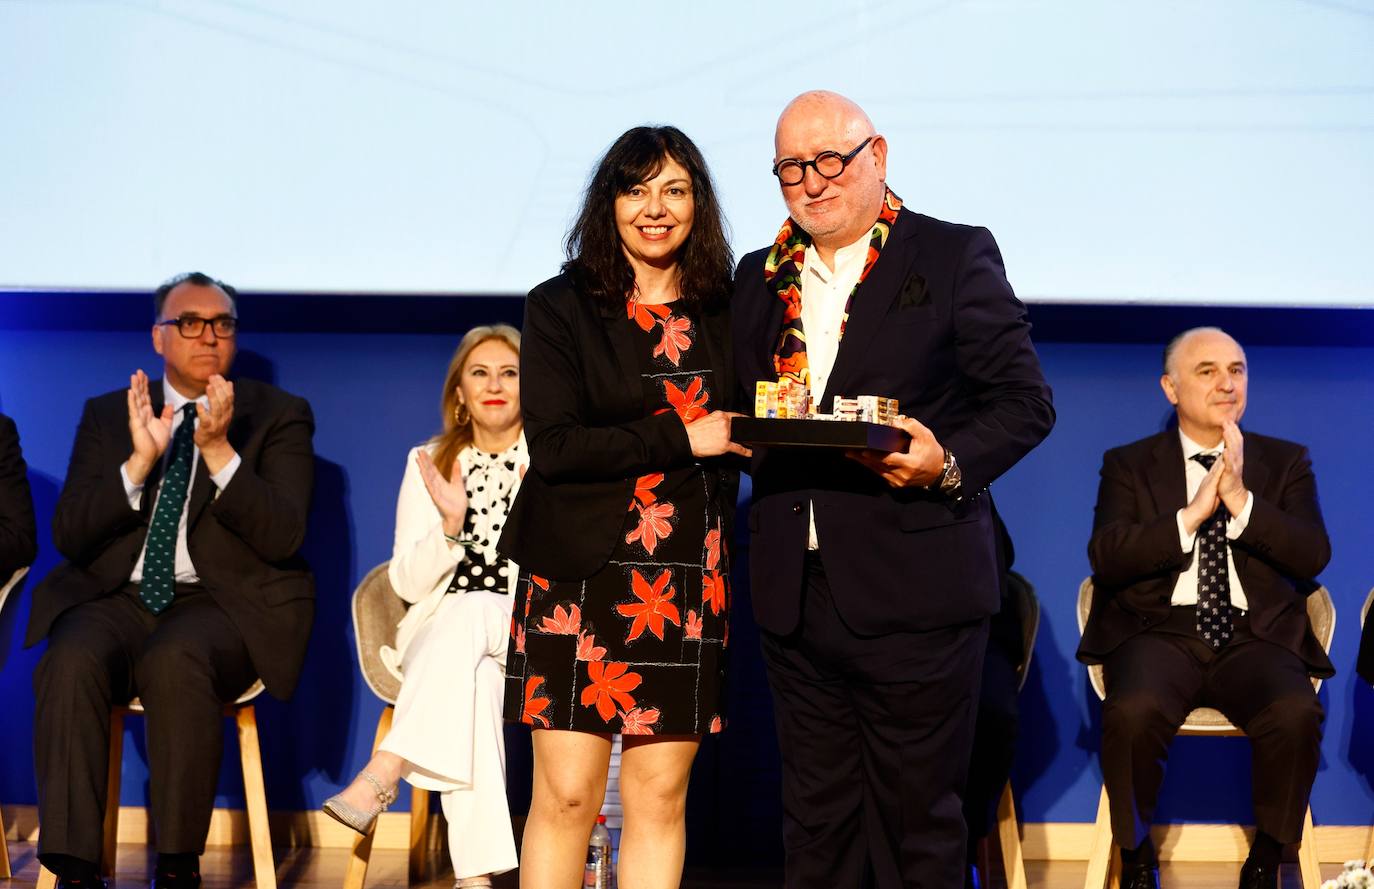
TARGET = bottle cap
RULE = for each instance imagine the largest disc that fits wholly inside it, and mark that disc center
(600, 819)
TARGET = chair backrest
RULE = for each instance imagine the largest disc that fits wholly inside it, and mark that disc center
(1028, 608)
(12, 585)
(1321, 613)
(376, 612)
(1085, 607)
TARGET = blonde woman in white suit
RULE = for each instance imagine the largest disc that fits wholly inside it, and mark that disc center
(450, 649)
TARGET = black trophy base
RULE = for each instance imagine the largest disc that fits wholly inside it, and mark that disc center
(842, 434)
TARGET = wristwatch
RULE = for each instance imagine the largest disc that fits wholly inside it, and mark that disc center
(951, 477)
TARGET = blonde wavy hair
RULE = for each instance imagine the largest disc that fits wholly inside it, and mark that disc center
(457, 436)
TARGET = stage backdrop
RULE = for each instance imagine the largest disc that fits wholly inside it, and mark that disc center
(344, 145)
(372, 379)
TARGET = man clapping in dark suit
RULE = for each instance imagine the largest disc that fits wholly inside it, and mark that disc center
(873, 575)
(18, 537)
(1205, 545)
(181, 516)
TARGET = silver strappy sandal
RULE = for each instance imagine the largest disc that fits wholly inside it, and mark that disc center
(361, 820)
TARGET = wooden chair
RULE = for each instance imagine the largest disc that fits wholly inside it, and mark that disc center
(245, 717)
(11, 586)
(1008, 831)
(376, 611)
(1104, 867)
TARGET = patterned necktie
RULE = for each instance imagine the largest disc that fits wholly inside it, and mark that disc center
(160, 552)
(1213, 575)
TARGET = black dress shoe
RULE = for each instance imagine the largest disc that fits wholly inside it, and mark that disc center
(82, 884)
(1258, 876)
(188, 880)
(1140, 876)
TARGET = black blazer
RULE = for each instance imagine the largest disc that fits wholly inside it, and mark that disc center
(583, 405)
(243, 542)
(1136, 558)
(18, 536)
(935, 325)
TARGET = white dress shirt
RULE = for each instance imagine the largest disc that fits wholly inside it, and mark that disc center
(185, 571)
(824, 293)
(1185, 591)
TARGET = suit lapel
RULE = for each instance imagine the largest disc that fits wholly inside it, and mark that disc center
(622, 344)
(1256, 476)
(1166, 474)
(871, 304)
(716, 334)
(758, 322)
(153, 483)
(1256, 471)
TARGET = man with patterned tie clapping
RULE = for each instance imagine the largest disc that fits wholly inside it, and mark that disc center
(1205, 545)
(183, 509)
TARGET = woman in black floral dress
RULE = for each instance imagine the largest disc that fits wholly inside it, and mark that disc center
(623, 522)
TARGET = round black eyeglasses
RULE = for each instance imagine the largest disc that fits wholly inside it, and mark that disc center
(828, 164)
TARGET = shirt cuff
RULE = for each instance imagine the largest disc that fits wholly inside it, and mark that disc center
(1236, 525)
(226, 475)
(132, 491)
(1186, 541)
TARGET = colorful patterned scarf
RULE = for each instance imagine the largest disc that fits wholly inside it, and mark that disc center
(782, 270)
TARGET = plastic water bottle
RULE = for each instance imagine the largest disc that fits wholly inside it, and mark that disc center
(598, 873)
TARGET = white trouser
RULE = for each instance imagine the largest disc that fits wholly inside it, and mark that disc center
(448, 727)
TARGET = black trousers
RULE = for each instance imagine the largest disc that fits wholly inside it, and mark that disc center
(184, 665)
(875, 734)
(1155, 678)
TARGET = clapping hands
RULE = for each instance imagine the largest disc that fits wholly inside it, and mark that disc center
(1224, 483)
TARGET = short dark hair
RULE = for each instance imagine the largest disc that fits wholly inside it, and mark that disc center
(596, 259)
(200, 279)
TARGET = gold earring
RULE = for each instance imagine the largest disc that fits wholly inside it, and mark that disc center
(460, 414)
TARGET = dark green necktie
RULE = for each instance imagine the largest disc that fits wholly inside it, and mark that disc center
(160, 552)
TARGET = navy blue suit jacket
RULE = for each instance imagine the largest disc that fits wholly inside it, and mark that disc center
(935, 325)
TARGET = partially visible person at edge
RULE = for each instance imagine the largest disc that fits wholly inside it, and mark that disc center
(18, 533)
(450, 652)
(622, 526)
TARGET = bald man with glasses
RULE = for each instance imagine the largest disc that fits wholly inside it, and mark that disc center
(181, 517)
(873, 575)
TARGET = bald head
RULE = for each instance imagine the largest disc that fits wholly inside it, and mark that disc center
(839, 117)
(1183, 342)
(835, 212)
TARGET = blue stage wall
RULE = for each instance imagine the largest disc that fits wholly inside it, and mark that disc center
(373, 388)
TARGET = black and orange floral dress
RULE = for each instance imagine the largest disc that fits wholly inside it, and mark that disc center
(638, 647)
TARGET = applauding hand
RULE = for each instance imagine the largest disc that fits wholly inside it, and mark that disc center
(150, 432)
(1205, 501)
(212, 432)
(1231, 487)
(450, 495)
